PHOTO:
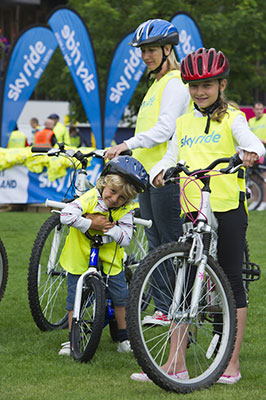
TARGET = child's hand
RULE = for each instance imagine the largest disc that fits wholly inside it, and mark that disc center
(100, 222)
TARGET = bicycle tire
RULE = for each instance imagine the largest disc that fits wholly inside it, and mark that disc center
(47, 283)
(135, 253)
(3, 269)
(86, 332)
(246, 263)
(113, 329)
(256, 193)
(151, 344)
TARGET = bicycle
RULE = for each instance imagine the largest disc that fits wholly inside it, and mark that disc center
(254, 183)
(3, 269)
(47, 288)
(201, 306)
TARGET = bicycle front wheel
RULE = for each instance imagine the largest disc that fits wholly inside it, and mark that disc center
(87, 330)
(47, 283)
(205, 341)
(3, 269)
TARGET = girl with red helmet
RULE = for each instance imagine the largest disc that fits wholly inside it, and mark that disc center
(166, 99)
(216, 128)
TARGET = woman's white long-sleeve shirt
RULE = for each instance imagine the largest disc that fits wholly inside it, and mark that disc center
(175, 102)
(121, 233)
(244, 139)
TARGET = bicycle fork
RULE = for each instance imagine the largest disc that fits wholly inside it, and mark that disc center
(92, 270)
(198, 256)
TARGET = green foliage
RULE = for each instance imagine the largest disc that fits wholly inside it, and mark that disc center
(236, 27)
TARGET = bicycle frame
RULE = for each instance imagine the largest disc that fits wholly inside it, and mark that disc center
(207, 225)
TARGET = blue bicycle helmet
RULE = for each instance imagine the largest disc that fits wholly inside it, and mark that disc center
(130, 168)
(155, 31)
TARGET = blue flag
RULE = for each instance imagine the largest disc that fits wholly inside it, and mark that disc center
(125, 71)
(189, 35)
(75, 44)
(29, 58)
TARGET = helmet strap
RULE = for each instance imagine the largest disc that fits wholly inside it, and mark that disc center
(209, 110)
(158, 69)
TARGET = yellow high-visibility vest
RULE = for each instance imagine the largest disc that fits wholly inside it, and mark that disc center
(76, 252)
(199, 149)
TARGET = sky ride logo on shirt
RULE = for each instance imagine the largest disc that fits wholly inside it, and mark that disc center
(190, 141)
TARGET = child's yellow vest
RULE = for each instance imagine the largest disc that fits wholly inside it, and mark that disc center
(76, 252)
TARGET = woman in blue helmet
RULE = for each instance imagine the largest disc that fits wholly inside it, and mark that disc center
(105, 209)
(166, 100)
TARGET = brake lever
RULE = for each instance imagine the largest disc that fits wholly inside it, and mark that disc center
(234, 165)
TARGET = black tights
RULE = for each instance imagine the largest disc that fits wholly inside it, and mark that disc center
(231, 242)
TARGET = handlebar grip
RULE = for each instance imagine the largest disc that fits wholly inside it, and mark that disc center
(36, 149)
(170, 173)
(126, 153)
(237, 160)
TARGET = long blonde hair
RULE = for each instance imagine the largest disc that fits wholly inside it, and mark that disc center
(221, 110)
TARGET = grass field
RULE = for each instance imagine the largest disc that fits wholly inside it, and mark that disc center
(31, 369)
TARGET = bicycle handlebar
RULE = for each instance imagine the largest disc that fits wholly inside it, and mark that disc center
(61, 205)
(234, 163)
(55, 151)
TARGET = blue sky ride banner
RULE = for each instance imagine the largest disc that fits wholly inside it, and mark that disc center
(75, 44)
(28, 60)
(189, 35)
(125, 72)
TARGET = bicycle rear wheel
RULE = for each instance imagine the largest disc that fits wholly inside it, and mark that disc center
(256, 194)
(135, 253)
(207, 350)
(86, 332)
(3, 269)
(47, 283)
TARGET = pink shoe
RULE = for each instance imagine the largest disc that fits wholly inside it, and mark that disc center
(229, 379)
(140, 376)
(158, 318)
(182, 375)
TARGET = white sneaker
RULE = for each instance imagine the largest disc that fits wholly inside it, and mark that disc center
(158, 318)
(124, 347)
(262, 206)
(142, 377)
(65, 350)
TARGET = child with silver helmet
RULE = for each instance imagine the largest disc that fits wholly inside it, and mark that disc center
(106, 209)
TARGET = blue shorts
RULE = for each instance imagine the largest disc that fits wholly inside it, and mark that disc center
(117, 289)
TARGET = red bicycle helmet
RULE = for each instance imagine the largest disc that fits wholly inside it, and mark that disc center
(204, 64)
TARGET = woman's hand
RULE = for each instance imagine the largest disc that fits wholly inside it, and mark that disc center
(158, 180)
(115, 151)
(100, 222)
(249, 158)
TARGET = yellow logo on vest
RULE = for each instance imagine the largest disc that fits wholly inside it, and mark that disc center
(190, 141)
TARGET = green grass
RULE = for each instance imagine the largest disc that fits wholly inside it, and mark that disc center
(31, 369)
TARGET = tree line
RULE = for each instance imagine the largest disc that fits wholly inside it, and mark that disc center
(237, 27)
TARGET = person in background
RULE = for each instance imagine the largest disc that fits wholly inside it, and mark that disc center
(46, 137)
(107, 210)
(258, 123)
(17, 139)
(60, 130)
(34, 123)
(74, 136)
(166, 99)
(258, 126)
